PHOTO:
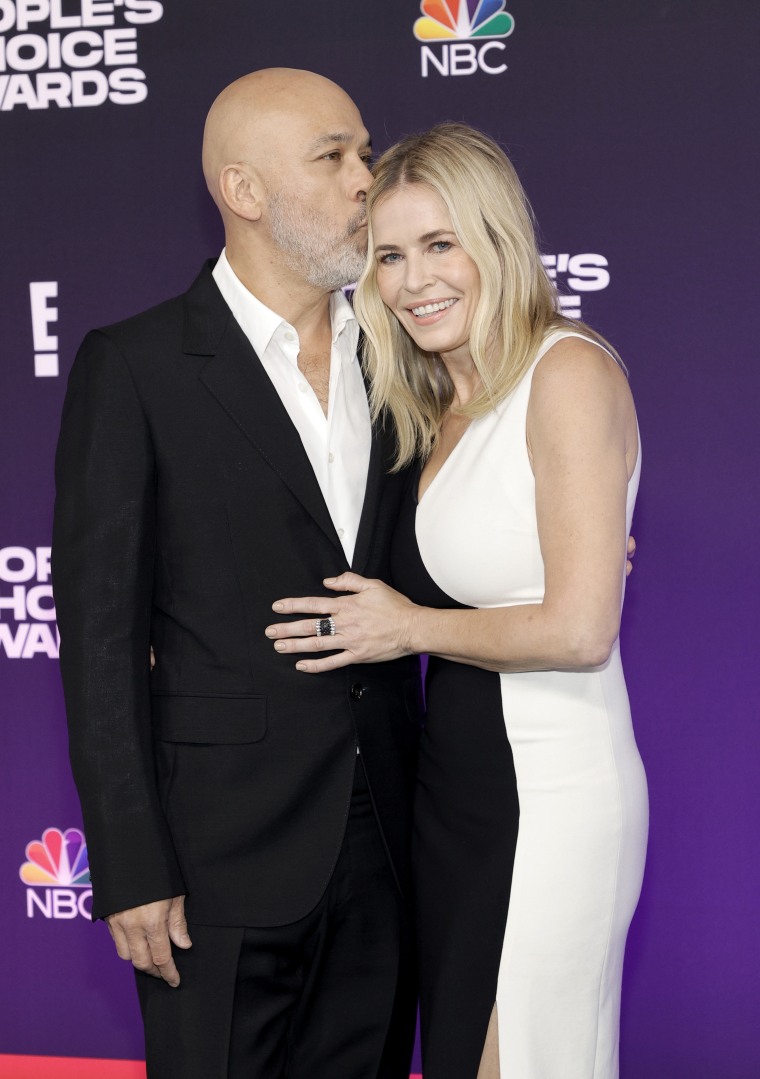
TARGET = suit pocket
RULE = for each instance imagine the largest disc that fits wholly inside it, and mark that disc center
(209, 720)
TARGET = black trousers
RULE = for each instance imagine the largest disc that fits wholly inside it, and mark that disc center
(332, 996)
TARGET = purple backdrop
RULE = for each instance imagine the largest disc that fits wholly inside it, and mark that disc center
(631, 125)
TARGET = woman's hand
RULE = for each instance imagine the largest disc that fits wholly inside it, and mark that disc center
(371, 626)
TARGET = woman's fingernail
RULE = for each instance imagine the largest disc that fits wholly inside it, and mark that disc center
(277, 606)
(301, 667)
(269, 631)
(329, 580)
(279, 646)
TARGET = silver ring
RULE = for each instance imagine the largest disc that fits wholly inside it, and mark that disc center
(324, 627)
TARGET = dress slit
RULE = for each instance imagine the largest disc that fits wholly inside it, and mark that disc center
(490, 1067)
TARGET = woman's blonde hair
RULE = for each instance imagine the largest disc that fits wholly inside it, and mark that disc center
(518, 304)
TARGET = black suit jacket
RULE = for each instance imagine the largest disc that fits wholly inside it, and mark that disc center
(186, 504)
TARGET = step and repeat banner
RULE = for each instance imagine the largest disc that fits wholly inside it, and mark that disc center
(634, 128)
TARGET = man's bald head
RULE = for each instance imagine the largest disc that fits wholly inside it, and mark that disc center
(254, 115)
(286, 159)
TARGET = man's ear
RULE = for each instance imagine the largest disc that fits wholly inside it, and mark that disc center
(242, 191)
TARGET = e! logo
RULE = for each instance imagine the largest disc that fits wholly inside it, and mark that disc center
(45, 343)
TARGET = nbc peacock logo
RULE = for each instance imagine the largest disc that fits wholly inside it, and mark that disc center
(467, 31)
(57, 875)
(444, 20)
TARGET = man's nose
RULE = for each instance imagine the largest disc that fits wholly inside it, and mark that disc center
(361, 181)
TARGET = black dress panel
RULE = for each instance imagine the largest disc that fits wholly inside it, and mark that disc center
(465, 834)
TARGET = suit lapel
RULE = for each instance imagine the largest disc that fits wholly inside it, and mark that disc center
(369, 507)
(380, 455)
(236, 379)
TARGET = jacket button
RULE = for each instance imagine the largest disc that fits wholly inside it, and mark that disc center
(357, 689)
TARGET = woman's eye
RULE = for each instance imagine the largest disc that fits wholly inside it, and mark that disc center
(389, 258)
(441, 245)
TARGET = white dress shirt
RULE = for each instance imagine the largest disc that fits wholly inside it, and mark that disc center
(338, 444)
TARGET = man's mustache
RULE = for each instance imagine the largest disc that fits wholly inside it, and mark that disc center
(356, 223)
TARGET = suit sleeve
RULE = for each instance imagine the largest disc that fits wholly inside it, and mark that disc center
(104, 539)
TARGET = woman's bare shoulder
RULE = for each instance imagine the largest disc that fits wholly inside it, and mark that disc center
(580, 398)
(575, 370)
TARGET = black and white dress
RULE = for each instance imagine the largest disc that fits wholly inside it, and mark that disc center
(531, 810)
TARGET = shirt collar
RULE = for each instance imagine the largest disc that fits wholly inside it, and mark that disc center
(342, 316)
(259, 323)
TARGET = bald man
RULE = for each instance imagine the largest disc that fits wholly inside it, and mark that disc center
(247, 826)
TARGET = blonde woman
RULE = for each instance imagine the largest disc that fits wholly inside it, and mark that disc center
(531, 813)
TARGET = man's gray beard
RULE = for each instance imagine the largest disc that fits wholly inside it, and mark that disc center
(312, 249)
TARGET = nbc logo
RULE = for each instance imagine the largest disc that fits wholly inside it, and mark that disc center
(57, 875)
(461, 27)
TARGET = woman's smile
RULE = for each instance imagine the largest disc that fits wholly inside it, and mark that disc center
(424, 275)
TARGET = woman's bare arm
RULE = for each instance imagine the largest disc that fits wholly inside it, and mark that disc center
(582, 441)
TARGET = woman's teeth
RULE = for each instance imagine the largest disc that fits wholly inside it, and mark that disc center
(431, 308)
